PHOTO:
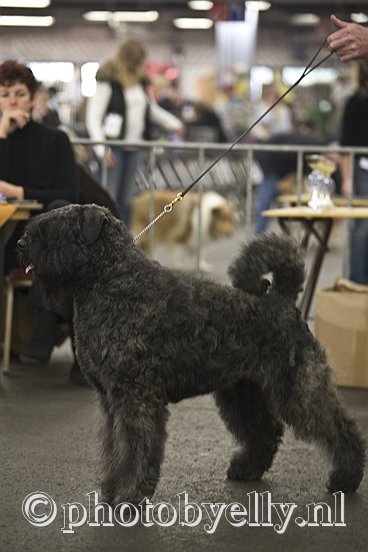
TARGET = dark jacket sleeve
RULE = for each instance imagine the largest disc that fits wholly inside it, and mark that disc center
(64, 183)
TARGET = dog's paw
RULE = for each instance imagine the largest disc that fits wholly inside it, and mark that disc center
(241, 471)
(344, 482)
(131, 499)
(107, 492)
(133, 495)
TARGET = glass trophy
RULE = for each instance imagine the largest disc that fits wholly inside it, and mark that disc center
(320, 183)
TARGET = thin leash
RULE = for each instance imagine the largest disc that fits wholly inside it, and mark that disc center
(169, 206)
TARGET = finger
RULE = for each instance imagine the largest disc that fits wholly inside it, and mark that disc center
(345, 58)
(338, 22)
(22, 119)
(19, 121)
(339, 42)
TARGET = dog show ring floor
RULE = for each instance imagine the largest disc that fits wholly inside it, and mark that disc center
(49, 459)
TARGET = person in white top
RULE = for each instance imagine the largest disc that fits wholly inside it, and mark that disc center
(122, 109)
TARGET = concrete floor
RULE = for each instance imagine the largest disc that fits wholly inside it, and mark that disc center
(49, 438)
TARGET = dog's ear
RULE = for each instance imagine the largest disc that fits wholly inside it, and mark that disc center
(92, 221)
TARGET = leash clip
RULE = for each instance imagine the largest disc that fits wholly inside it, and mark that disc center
(169, 206)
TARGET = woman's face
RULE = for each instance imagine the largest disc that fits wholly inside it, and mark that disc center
(15, 96)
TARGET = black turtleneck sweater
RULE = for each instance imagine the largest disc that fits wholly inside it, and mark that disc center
(41, 160)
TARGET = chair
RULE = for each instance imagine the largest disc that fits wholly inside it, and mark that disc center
(16, 279)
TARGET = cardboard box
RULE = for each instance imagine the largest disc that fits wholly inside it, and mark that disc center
(341, 326)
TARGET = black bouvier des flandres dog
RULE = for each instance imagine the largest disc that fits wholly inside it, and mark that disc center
(147, 336)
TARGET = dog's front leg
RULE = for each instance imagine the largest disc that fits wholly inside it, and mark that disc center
(107, 450)
(134, 445)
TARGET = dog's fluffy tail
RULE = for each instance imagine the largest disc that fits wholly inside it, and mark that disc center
(269, 253)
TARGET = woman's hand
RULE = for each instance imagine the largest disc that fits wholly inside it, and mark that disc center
(11, 190)
(12, 119)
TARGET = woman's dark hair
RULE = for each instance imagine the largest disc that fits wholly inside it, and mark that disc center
(12, 72)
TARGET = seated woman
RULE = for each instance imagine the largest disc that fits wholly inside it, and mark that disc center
(36, 162)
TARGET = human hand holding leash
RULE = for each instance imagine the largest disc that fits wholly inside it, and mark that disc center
(350, 41)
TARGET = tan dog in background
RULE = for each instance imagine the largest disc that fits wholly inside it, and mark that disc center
(180, 227)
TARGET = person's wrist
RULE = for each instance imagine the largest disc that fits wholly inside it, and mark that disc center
(4, 127)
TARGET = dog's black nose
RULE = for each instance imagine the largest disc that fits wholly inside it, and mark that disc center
(21, 244)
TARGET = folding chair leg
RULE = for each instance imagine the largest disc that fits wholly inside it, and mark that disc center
(8, 325)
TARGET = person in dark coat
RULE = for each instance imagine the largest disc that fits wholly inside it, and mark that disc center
(36, 163)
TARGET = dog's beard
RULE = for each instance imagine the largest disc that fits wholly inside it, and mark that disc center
(54, 289)
(53, 297)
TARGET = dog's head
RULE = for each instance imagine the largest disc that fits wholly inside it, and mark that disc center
(222, 221)
(70, 246)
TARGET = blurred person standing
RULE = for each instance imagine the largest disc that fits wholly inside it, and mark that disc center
(278, 121)
(42, 111)
(122, 109)
(354, 133)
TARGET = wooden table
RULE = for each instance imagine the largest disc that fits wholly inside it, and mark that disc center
(22, 211)
(317, 224)
(294, 200)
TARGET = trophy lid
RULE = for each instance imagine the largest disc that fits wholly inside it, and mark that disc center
(321, 163)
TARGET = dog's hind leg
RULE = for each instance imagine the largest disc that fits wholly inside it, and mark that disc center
(312, 408)
(250, 418)
(135, 446)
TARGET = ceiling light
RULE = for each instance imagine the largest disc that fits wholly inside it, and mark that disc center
(136, 17)
(193, 23)
(120, 16)
(258, 6)
(26, 21)
(305, 19)
(97, 15)
(24, 3)
(202, 5)
(359, 17)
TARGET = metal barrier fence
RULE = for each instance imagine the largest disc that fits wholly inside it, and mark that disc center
(168, 165)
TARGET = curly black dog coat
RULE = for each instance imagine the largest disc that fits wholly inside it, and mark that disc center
(147, 336)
